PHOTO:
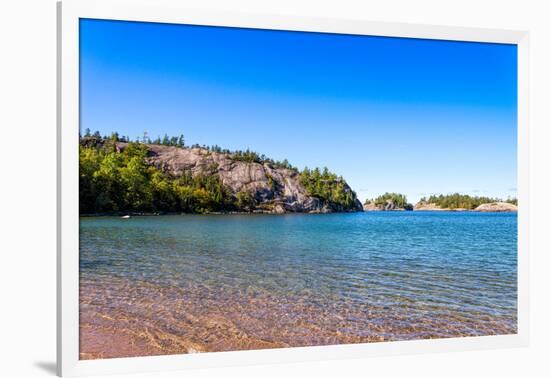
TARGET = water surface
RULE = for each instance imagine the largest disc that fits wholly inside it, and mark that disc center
(199, 283)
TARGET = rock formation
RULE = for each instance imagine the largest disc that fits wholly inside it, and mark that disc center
(274, 189)
(497, 207)
(387, 206)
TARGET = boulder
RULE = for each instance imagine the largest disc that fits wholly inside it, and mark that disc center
(497, 207)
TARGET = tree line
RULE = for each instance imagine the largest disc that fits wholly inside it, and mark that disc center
(179, 141)
(462, 201)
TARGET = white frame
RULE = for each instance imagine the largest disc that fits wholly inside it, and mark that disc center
(167, 11)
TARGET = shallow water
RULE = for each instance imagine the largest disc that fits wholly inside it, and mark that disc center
(199, 283)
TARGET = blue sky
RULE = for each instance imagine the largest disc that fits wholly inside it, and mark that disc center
(388, 114)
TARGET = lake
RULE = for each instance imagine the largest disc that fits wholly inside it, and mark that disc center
(199, 283)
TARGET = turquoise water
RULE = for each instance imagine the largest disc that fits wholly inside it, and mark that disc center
(291, 280)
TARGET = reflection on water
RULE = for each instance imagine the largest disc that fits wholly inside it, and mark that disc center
(185, 284)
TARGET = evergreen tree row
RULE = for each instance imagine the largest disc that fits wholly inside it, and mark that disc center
(462, 201)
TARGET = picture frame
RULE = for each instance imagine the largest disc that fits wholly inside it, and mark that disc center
(69, 14)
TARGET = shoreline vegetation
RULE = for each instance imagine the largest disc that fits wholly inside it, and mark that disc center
(120, 177)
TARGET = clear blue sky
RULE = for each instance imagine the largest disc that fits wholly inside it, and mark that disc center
(388, 114)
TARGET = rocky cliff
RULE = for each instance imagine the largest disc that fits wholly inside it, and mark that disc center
(274, 189)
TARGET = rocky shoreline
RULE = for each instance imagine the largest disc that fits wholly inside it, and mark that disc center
(253, 212)
(497, 207)
(493, 207)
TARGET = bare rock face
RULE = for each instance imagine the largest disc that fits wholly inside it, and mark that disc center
(497, 207)
(370, 206)
(276, 190)
(424, 206)
(388, 206)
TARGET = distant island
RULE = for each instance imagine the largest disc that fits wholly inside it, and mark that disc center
(118, 175)
(388, 202)
(449, 202)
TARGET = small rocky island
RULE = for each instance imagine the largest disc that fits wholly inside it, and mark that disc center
(388, 202)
